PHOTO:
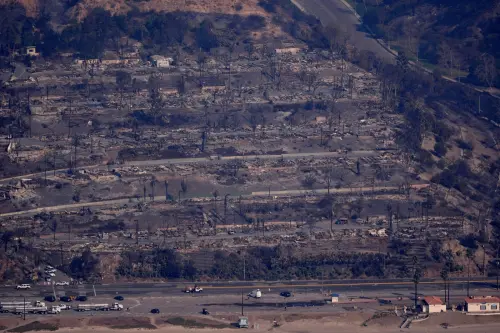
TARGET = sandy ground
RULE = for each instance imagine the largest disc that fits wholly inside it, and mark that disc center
(348, 322)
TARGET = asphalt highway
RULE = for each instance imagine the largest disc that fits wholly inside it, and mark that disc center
(335, 12)
(381, 288)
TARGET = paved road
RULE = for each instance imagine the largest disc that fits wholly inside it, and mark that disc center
(158, 198)
(356, 153)
(335, 12)
(377, 287)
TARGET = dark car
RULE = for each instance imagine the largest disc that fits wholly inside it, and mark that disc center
(155, 311)
(65, 299)
(50, 298)
(81, 298)
(286, 294)
(119, 298)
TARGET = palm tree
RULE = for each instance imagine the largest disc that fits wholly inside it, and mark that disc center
(444, 276)
(417, 275)
(153, 183)
(470, 255)
(53, 227)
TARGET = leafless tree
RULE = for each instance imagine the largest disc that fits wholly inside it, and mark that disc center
(201, 61)
(486, 71)
(155, 98)
(153, 184)
(184, 186)
(310, 79)
(329, 180)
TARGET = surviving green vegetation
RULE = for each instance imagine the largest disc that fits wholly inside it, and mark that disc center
(459, 37)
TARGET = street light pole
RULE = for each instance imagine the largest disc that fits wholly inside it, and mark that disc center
(244, 278)
(24, 304)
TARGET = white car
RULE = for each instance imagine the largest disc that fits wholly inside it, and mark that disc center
(50, 270)
(51, 274)
(62, 283)
(23, 286)
(64, 307)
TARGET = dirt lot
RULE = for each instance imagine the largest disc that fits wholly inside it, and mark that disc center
(346, 322)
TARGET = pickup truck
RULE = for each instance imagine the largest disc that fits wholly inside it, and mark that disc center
(23, 286)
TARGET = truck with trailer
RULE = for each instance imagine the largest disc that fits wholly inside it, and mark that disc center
(30, 309)
(99, 307)
(6, 307)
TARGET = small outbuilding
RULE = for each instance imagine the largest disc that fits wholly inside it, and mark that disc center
(482, 304)
(433, 304)
(161, 61)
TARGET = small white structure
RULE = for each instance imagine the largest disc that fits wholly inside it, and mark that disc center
(288, 50)
(433, 304)
(161, 61)
(31, 51)
(482, 304)
(335, 298)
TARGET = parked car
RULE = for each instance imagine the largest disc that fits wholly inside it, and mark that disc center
(81, 298)
(119, 298)
(285, 294)
(65, 307)
(62, 283)
(155, 311)
(65, 299)
(50, 298)
(51, 274)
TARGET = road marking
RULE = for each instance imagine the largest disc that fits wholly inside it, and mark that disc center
(341, 284)
(138, 303)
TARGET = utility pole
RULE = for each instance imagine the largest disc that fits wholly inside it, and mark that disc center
(225, 208)
(24, 311)
(244, 278)
(136, 232)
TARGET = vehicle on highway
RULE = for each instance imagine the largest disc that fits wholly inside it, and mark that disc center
(54, 309)
(30, 309)
(255, 293)
(285, 294)
(81, 298)
(62, 283)
(384, 301)
(65, 307)
(243, 322)
(6, 307)
(155, 310)
(37, 307)
(194, 289)
(119, 298)
(50, 298)
(205, 311)
(65, 299)
(23, 286)
(99, 307)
